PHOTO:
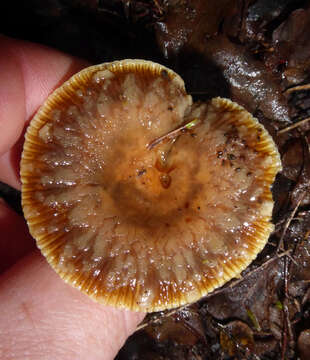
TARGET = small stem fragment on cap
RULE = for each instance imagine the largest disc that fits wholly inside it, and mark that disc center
(174, 133)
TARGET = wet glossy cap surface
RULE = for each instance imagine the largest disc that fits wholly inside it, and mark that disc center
(139, 227)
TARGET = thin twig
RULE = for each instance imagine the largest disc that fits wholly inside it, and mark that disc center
(288, 222)
(284, 340)
(240, 347)
(293, 126)
(167, 314)
(285, 310)
(160, 10)
(236, 282)
(215, 292)
(298, 88)
(174, 133)
(287, 333)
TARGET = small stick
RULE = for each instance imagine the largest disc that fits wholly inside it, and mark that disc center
(167, 314)
(293, 126)
(160, 10)
(288, 222)
(284, 343)
(243, 349)
(297, 88)
(236, 282)
(287, 333)
(215, 292)
(174, 133)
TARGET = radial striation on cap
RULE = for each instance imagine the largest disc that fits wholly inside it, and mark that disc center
(139, 227)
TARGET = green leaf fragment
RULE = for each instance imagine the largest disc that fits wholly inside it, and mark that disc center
(279, 305)
(253, 319)
(192, 124)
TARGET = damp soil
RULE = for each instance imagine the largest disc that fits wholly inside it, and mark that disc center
(255, 52)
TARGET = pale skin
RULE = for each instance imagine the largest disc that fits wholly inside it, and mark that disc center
(41, 317)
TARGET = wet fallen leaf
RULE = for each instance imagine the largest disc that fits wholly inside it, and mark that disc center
(304, 344)
(236, 338)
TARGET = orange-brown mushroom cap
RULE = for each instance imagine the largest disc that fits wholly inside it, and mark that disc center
(138, 226)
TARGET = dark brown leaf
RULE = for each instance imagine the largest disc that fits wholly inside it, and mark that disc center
(184, 327)
(304, 344)
(189, 22)
(216, 61)
(235, 337)
(256, 292)
(302, 188)
(250, 82)
(292, 159)
(292, 46)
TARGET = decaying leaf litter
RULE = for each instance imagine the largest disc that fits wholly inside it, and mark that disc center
(256, 53)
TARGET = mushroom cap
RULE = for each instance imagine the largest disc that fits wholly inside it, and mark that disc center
(145, 228)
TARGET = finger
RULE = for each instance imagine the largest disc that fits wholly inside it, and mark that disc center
(15, 240)
(9, 164)
(45, 318)
(28, 74)
(12, 97)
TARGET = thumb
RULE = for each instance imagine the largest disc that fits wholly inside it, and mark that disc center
(45, 318)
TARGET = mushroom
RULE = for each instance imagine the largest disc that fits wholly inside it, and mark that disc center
(139, 198)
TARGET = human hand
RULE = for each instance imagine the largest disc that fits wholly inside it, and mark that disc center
(41, 317)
